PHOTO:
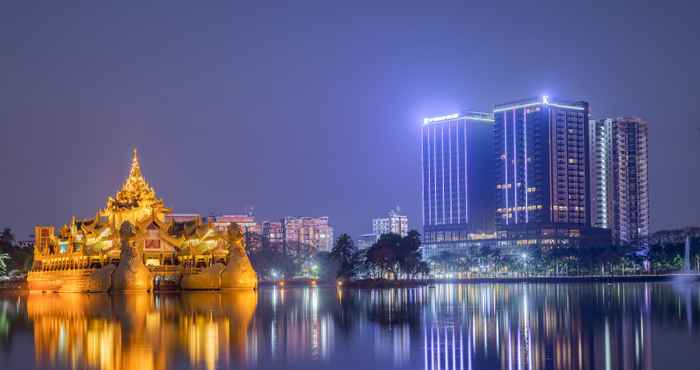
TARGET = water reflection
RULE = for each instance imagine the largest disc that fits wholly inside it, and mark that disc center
(140, 331)
(587, 326)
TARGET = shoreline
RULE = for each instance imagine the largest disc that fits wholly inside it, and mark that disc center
(604, 279)
(21, 286)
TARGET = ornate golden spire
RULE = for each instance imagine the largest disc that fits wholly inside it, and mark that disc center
(135, 195)
(135, 167)
(135, 182)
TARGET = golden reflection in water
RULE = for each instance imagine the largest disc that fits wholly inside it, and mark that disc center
(140, 331)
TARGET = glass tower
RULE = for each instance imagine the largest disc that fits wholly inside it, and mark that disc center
(457, 180)
(542, 189)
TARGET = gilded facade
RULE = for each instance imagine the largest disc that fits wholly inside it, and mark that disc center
(131, 245)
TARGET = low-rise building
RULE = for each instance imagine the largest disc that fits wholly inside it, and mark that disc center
(245, 221)
(395, 223)
(365, 241)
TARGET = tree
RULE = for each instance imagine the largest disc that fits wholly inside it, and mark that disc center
(15, 258)
(3, 266)
(382, 256)
(396, 256)
(328, 267)
(408, 254)
(343, 253)
(271, 261)
(7, 240)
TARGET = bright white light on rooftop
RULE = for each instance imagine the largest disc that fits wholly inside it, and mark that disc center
(428, 120)
(545, 99)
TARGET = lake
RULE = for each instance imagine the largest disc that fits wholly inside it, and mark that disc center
(483, 326)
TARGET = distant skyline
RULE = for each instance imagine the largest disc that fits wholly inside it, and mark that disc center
(315, 108)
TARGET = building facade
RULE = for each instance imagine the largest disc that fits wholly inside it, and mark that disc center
(273, 232)
(619, 178)
(395, 223)
(365, 241)
(307, 234)
(542, 187)
(457, 178)
(246, 222)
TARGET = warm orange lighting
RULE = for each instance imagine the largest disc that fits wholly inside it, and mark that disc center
(339, 283)
(281, 283)
(66, 262)
(313, 282)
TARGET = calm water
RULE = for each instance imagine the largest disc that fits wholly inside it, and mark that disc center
(586, 326)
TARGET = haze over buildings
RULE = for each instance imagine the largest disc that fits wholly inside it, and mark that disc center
(230, 93)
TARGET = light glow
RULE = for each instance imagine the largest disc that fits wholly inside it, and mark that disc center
(545, 100)
(563, 106)
(428, 120)
(478, 118)
(510, 107)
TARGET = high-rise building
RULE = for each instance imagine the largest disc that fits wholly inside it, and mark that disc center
(307, 234)
(543, 195)
(395, 223)
(457, 179)
(619, 178)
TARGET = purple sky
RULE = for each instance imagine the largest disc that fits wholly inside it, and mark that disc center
(314, 108)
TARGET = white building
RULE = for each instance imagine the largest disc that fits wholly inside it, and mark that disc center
(394, 223)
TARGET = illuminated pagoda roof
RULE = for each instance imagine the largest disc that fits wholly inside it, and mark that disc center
(136, 200)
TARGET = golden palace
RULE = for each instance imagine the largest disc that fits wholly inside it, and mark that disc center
(131, 245)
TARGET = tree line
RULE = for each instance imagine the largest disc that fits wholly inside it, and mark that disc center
(390, 257)
(568, 260)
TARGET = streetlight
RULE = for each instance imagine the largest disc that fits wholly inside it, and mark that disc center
(524, 258)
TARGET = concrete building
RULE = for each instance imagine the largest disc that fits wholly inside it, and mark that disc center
(246, 222)
(619, 178)
(395, 223)
(307, 234)
(273, 232)
(457, 180)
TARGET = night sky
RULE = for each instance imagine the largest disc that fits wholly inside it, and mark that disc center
(314, 108)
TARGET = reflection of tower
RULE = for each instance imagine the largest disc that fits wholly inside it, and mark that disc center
(686, 258)
(444, 348)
